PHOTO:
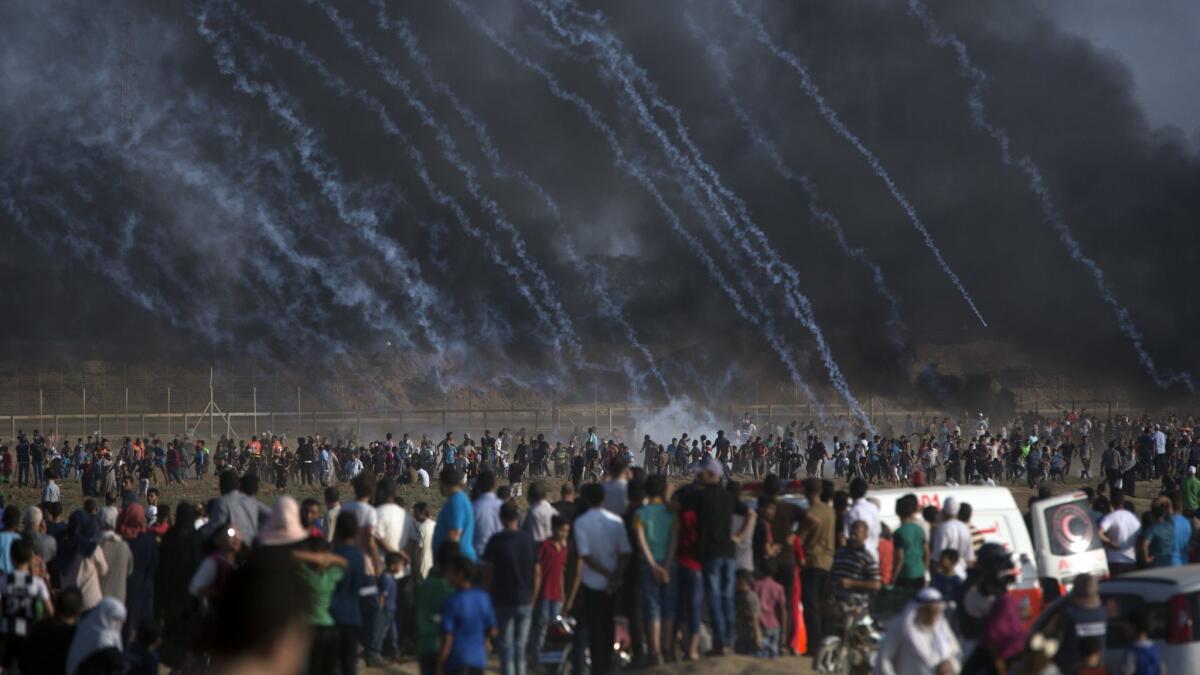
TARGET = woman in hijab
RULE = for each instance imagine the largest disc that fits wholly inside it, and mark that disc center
(83, 559)
(96, 647)
(176, 610)
(131, 526)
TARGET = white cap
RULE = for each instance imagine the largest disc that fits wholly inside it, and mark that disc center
(1192, 470)
(950, 506)
(928, 595)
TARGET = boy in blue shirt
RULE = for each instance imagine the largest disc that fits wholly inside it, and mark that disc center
(385, 641)
(468, 622)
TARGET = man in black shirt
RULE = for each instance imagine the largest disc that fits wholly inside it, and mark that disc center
(510, 556)
(716, 551)
(22, 460)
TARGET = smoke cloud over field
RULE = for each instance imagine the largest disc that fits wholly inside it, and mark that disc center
(646, 197)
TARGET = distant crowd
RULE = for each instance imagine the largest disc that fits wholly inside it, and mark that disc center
(587, 554)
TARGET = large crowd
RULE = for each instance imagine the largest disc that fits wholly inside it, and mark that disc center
(622, 556)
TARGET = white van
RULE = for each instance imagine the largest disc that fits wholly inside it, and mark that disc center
(994, 514)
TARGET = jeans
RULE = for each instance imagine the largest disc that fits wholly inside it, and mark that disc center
(691, 597)
(595, 631)
(39, 474)
(383, 633)
(718, 584)
(658, 599)
(369, 605)
(22, 473)
(543, 613)
(512, 623)
(346, 654)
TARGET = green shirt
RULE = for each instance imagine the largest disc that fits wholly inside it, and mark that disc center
(1191, 494)
(428, 599)
(320, 586)
(910, 538)
(656, 520)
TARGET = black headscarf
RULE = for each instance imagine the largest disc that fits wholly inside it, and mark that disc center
(82, 537)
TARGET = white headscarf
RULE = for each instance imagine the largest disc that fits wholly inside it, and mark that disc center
(909, 649)
(99, 629)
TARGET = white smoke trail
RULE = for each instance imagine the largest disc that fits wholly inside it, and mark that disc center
(831, 117)
(321, 169)
(942, 37)
(561, 321)
(390, 127)
(635, 171)
(502, 170)
(620, 66)
(823, 216)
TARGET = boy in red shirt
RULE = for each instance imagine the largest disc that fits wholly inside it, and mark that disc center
(548, 582)
(772, 604)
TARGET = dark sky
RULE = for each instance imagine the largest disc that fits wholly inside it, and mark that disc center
(542, 191)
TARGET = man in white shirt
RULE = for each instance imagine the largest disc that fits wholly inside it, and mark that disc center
(603, 551)
(426, 526)
(367, 517)
(955, 534)
(487, 510)
(1119, 531)
(539, 518)
(397, 531)
(866, 511)
(422, 477)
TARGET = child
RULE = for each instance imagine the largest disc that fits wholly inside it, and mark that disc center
(945, 579)
(467, 622)
(142, 656)
(428, 600)
(25, 598)
(749, 640)
(548, 597)
(772, 607)
(1091, 657)
(1144, 657)
(385, 628)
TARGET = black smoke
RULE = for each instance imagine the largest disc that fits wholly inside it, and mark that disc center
(149, 207)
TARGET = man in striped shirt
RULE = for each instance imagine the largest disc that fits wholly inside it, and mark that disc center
(855, 571)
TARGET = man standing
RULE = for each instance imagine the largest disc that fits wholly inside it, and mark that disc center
(1119, 530)
(955, 534)
(1191, 493)
(510, 556)
(866, 511)
(717, 552)
(487, 510)
(818, 535)
(603, 550)
(456, 519)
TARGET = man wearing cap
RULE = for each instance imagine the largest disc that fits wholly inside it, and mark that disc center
(953, 533)
(717, 551)
(919, 641)
(1191, 493)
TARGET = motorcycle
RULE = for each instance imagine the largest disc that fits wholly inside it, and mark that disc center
(558, 653)
(854, 650)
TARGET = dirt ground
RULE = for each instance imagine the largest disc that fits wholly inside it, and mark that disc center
(727, 665)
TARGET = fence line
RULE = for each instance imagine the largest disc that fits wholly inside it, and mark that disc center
(617, 418)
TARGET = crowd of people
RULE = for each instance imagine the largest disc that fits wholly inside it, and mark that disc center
(616, 558)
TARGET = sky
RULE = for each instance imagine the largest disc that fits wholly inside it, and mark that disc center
(1158, 40)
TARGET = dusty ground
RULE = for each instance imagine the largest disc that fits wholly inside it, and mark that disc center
(728, 665)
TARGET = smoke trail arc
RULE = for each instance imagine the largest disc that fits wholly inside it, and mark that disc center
(820, 214)
(942, 37)
(640, 175)
(831, 117)
(561, 321)
(620, 66)
(505, 171)
(321, 169)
